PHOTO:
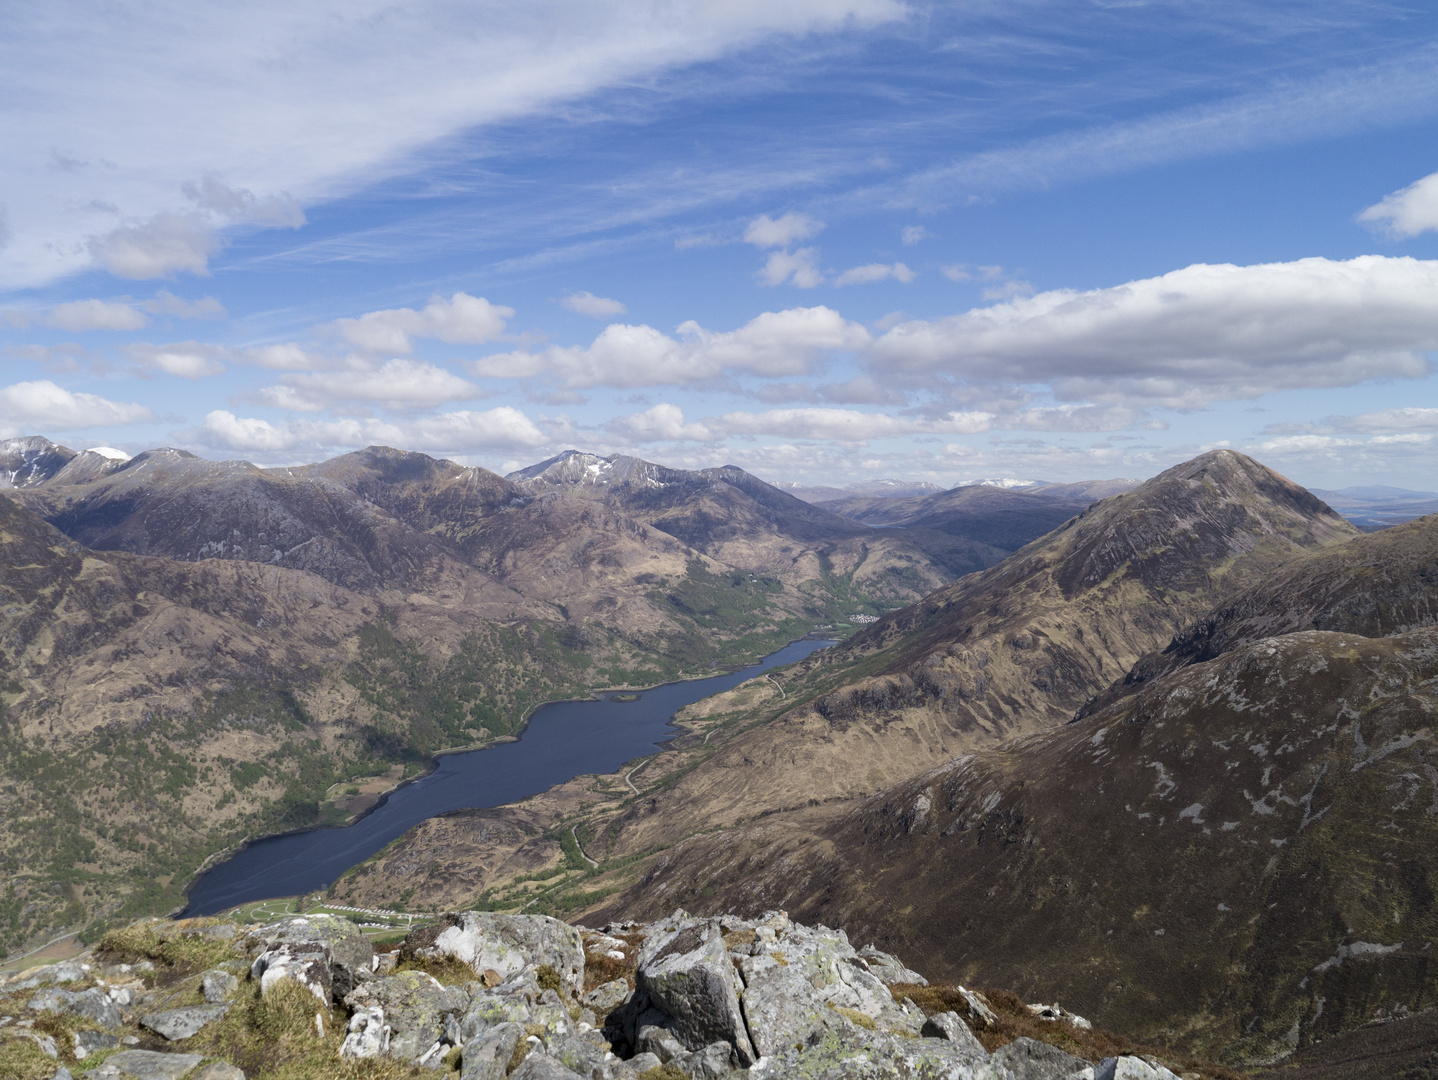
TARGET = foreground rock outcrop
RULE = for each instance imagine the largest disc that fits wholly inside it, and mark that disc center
(484, 996)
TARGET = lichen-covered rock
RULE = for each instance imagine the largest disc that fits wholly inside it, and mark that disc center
(88, 1042)
(782, 1010)
(688, 975)
(949, 1026)
(487, 1055)
(348, 950)
(307, 963)
(580, 1057)
(420, 1012)
(176, 1024)
(540, 1066)
(1131, 1068)
(835, 973)
(487, 1010)
(218, 986)
(888, 969)
(49, 975)
(607, 997)
(146, 1065)
(1029, 1059)
(877, 1056)
(506, 944)
(367, 1035)
(93, 1004)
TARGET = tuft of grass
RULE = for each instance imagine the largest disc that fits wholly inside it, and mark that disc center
(854, 1016)
(23, 1060)
(600, 969)
(521, 1051)
(1013, 1021)
(449, 970)
(186, 955)
(739, 937)
(664, 1072)
(549, 979)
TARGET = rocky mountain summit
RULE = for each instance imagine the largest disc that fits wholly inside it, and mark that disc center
(484, 996)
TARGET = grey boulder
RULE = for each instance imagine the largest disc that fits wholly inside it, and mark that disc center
(538, 1065)
(486, 1057)
(607, 997)
(348, 951)
(782, 1010)
(878, 1056)
(507, 944)
(1029, 1059)
(146, 1065)
(687, 974)
(1131, 1068)
(419, 1011)
(181, 1023)
(888, 969)
(949, 1026)
(218, 986)
(87, 1042)
(307, 963)
(219, 1070)
(93, 1004)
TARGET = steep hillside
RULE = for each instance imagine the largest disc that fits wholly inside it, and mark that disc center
(1005, 518)
(154, 711)
(1240, 858)
(1375, 585)
(1013, 651)
(1016, 649)
(739, 520)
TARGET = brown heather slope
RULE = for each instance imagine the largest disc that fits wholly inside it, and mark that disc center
(1238, 859)
(1374, 585)
(737, 519)
(1016, 649)
(234, 641)
(1002, 517)
(1236, 855)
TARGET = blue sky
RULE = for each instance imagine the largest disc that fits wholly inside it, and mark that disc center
(827, 240)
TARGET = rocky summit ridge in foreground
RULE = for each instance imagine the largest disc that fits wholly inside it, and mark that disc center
(484, 996)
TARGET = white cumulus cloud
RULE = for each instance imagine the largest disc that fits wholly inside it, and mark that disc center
(27, 407)
(772, 344)
(1192, 335)
(81, 315)
(157, 247)
(460, 320)
(871, 272)
(798, 268)
(396, 384)
(1408, 212)
(165, 302)
(767, 232)
(186, 359)
(662, 423)
(596, 307)
(499, 429)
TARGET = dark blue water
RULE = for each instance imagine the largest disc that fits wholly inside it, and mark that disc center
(563, 740)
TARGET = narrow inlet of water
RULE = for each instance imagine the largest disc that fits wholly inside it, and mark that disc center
(563, 740)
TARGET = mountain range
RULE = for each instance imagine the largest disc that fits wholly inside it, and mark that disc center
(193, 652)
(1163, 752)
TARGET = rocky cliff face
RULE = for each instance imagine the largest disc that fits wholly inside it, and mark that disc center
(535, 999)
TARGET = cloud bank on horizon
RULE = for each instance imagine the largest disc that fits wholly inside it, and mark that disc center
(822, 239)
